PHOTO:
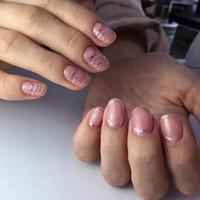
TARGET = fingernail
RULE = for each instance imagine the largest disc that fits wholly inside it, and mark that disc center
(103, 33)
(142, 121)
(96, 118)
(96, 59)
(171, 128)
(76, 76)
(33, 88)
(115, 113)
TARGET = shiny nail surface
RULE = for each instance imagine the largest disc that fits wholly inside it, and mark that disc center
(76, 76)
(96, 118)
(33, 88)
(142, 121)
(115, 113)
(171, 128)
(96, 59)
(103, 33)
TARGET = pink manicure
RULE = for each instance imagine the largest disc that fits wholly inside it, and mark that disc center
(103, 33)
(33, 88)
(76, 76)
(96, 59)
(96, 118)
(171, 128)
(115, 113)
(142, 121)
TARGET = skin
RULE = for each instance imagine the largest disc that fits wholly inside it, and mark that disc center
(40, 36)
(157, 82)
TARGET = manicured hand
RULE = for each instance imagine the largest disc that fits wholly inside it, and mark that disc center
(144, 129)
(56, 39)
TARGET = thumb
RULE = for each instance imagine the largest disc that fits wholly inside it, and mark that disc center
(191, 98)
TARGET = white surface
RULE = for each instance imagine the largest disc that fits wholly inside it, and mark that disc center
(36, 156)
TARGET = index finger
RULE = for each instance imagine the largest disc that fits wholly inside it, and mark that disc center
(78, 17)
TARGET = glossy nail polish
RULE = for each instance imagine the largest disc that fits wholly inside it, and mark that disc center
(76, 76)
(95, 59)
(115, 113)
(96, 118)
(103, 33)
(33, 88)
(171, 128)
(142, 121)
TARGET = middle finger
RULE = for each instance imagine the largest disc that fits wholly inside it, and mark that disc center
(145, 156)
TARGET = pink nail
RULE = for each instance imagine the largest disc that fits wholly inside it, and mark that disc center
(103, 33)
(142, 121)
(96, 118)
(115, 113)
(171, 128)
(96, 59)
(76, 76)
(33, 88)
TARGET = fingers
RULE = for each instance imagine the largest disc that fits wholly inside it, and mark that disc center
(114, 159)
(14, 87)
(87, 136)
(20, 51)
(145, 156)
(182, 153)
(41, 26)
(78, 17)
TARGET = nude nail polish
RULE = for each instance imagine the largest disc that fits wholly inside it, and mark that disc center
(95, 59)
(142, 121)
(171, 128)
(115, 113)
(76, 76)
(33, 88)
(96, 118)
(103, 33)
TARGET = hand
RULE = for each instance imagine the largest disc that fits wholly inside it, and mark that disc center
(154, 81)
(70, 32)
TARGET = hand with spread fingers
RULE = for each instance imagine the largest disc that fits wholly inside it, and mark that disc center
(136, 119)
(56, 39)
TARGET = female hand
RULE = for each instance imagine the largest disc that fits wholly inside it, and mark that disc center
(72, 32)
(146, 129)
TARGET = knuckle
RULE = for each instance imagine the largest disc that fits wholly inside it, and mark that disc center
(190, 189)
(155, 193)
(72, 40)
(51, 65)
(5, 86)
(83, 152)
(84, 157)
(116, 179)
(79, 13)
(47, 3)
(10, 41)
(35, 16)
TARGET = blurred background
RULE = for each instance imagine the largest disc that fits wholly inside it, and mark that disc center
(180, 20)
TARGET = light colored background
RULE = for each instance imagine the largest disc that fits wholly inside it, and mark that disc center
(36, 156)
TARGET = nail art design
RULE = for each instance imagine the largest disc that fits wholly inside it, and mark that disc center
(76, 76)
(96, 118)
(115, 113)
(33, 88)
(96, 59)
(103, 33)
(142, 121)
